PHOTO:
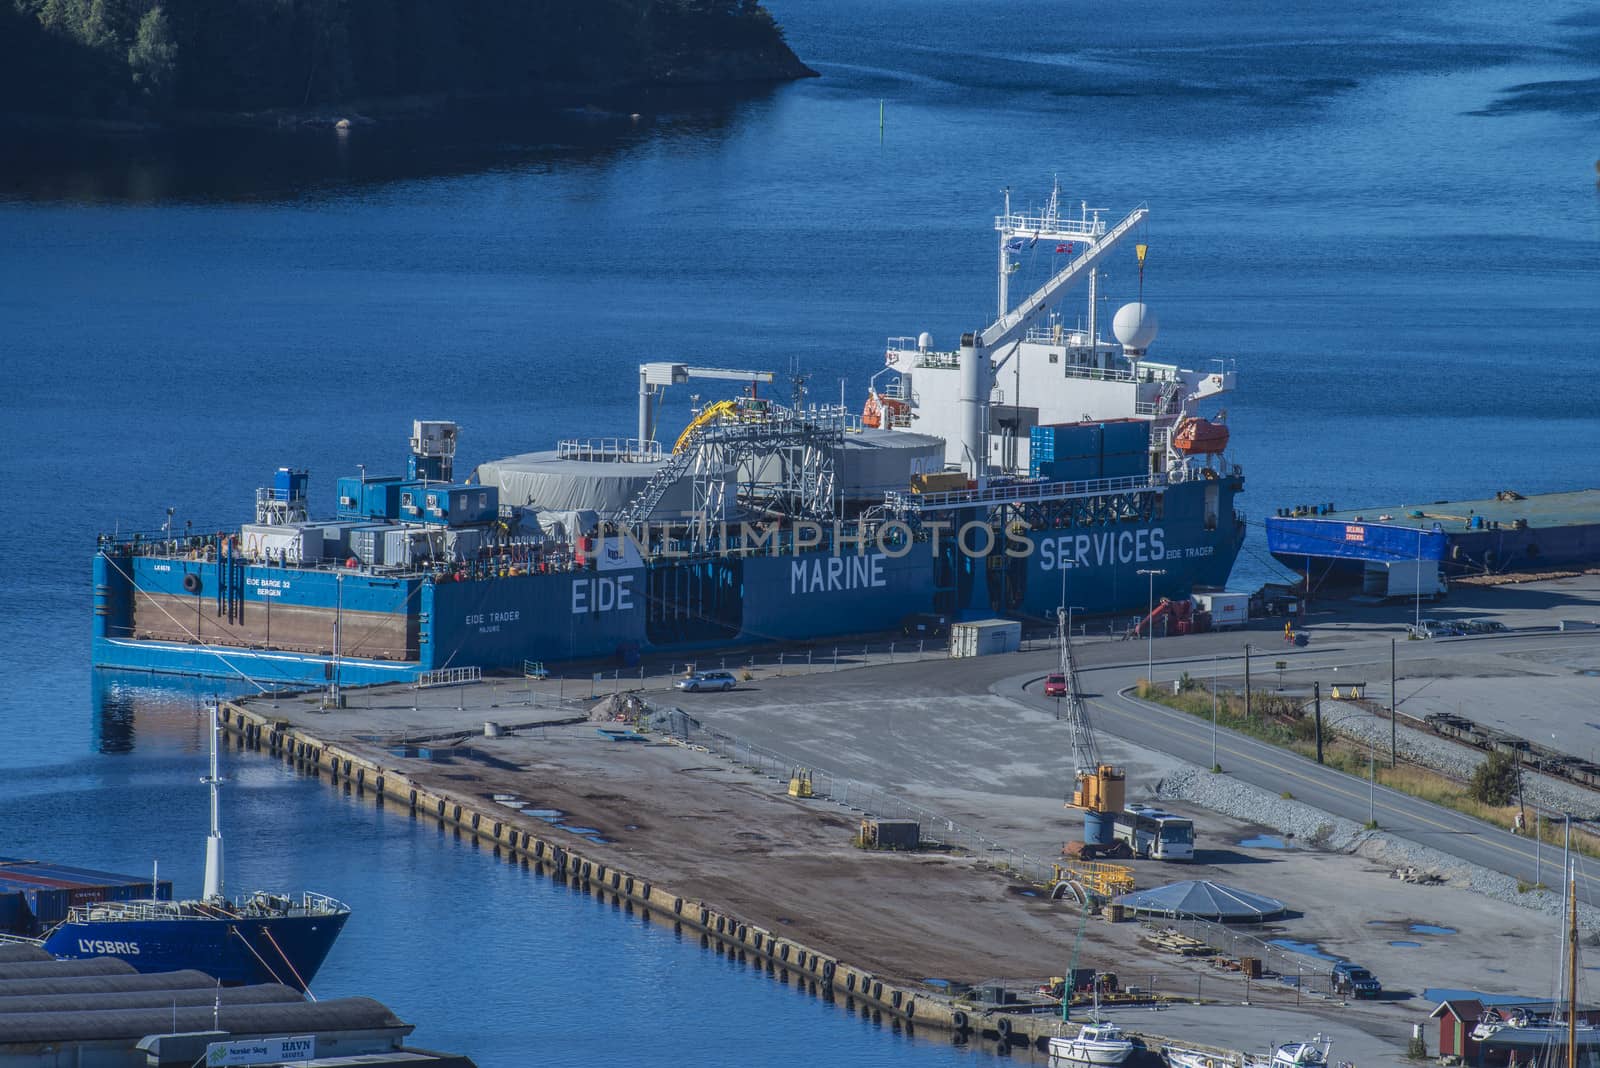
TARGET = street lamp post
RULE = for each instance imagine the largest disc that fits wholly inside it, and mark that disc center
(1214, 764)
(1149, 631)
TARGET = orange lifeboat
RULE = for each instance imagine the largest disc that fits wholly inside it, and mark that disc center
(881, 412)
(1200, 436)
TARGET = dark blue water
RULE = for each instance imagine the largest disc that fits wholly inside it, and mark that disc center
(1387, 214)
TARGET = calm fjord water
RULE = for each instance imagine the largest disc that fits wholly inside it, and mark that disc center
(1387, 216)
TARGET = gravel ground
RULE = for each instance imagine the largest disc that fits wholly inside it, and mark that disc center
(1459, 761)
(1317, 829)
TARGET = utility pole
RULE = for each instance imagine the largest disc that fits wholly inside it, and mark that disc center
(1246, 680)
(1394, 712)
(1214, 764)
(1316, 692)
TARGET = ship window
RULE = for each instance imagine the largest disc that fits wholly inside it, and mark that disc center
(1055, 357)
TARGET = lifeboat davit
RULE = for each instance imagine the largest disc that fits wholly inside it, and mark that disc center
(1200, 436)
(880, 411)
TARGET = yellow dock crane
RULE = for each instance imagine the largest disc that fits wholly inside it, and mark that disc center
(1099, 791)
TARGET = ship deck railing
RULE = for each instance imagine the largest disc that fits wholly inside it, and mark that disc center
(615, 450)
(1022, 492)
(309, 903)
(456, 676)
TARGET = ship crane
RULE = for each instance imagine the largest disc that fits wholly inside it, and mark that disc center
(1017, 229)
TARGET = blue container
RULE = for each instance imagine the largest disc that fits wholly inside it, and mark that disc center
(1125, 435)
(1080, 469)
(48, 904)
(1125, 464)
(457, 506)
(289, 484)
(350, 496)
(1099, 828)
(380, 497)
(14, 918)
(426, 468)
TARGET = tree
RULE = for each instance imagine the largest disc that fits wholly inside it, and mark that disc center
(1494, 782)
(153, 59)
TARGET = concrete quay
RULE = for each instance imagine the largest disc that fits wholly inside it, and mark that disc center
(690, 838)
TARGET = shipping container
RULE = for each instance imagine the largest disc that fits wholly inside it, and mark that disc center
(366, 544)
(1125, 464)
(1081, 469)
(455, 506)
(1227, 610)
(1404, 578)
(1124, 435)
(1062, 441)
(294, 544)
(404, 546)
(14, 917)
(380, 497)
(985, 637)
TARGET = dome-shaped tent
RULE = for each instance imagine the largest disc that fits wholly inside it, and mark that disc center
(1204, 900)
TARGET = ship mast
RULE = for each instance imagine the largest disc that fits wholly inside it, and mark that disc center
(213, 883)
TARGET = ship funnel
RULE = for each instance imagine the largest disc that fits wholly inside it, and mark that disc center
(975, 388)
(213, 884)
(1135, 326)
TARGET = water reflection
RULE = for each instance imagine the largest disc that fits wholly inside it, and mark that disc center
(162, 710)
(293, 161)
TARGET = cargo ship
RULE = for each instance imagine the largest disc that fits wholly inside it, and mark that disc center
(76, 913)
(1037, 464)
(1404, 550)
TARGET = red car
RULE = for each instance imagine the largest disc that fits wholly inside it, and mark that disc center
(1055, 686)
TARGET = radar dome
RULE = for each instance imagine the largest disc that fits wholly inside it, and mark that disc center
(924, 341)
(1135, 326)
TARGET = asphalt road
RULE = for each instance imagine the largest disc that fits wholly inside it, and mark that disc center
(1190, 739)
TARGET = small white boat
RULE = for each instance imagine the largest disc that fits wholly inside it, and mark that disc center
(1096, 1043)
(1313, 1054)
(1179, 1057)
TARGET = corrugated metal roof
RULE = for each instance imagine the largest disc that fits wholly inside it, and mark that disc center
(65, 982)
(17, 952)
(53, 968)
(340, 1014)
(152, 997)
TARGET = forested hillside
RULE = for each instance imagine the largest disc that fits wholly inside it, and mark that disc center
(153, 58)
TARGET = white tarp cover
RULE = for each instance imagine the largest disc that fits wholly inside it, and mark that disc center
(544, 481)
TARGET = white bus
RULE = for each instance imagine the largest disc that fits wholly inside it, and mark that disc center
(1152, 833)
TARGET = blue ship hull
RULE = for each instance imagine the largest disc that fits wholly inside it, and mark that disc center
(275, 624)
(278, 949)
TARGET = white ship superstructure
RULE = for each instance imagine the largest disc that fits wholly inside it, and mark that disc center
(1029, 368)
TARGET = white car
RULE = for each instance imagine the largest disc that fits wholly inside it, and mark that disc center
(707, 680)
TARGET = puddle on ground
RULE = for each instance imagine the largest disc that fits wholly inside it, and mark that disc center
(1430, 928)
(942, 984)
(1309, 949)
(586, 832)
(549, 815)
(1266, 841)
(417, 752)
(1406, 945)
